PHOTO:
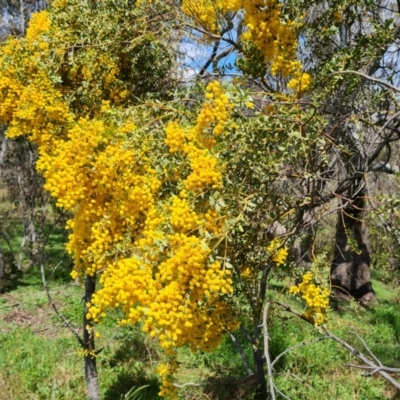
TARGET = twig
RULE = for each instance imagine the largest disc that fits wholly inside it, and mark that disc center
(282, 394)
(370, 78)
(188, 384)
(374, 370)
(60, 315)
(266, 351)
(363, 358)
(247, 334)
(369, 365)
(6, 238)
(368, 349)
(240, 350)
(98, 351)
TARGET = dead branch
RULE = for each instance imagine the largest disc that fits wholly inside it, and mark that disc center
(57, 311)
(266, 351)
(242, 354)
(368, 364)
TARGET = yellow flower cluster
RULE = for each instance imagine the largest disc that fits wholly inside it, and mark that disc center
(204, 170)
(166, 371)
(204, 12)
(182, 218)
(216, 113)
(38, 25)
(300, 82)
(29, 103)
(196, 142)
(248, 273)
(266, 28)
(278, 252)
(316, 298)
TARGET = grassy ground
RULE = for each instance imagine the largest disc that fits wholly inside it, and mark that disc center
(40, 359)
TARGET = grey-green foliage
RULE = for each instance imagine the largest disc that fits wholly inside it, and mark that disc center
(133, 49)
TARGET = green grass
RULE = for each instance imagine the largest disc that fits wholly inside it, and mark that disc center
(40, 359)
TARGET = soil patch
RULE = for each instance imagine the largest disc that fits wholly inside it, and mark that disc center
(38, 321)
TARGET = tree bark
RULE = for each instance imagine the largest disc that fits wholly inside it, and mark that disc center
(261, 392)
(89, 345)
(350, 271)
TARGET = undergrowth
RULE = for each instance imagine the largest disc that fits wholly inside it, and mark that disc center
(40, 358)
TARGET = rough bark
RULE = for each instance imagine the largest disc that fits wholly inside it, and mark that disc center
(300, 252)
(261, 393)
(89, 345)
(350, 271)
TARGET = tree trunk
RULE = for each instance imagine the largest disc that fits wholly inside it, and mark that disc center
(88, 339)
(261, 393)
(350, 271)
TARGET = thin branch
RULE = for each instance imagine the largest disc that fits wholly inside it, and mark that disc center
(243, 356)
(6, 238)
(363, 358)
(375, 370)
(216, 37)
(60, 315)
(282, 394)
(266, 351)
(378, 150)
(98, 351)
(211, 58)
(370, 78)
(367, 348)
(383, 223)
(247, 334)
(188, 384)
(368, 363)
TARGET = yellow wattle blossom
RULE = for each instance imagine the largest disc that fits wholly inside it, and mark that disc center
(38, 25)
(277, 251)
(315, 297)
(266, 28)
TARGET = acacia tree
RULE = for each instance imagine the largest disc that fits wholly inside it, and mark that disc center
(174, 201)
(151, 227)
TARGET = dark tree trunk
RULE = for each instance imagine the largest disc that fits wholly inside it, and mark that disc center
(300, 251)
(261, 393)
(89, 346)
(350, 271)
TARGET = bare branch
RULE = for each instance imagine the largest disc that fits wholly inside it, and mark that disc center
(282, 394)
(368, 349)
(188, 384)
(240, 350)
(60, 315)
(98, 351)
(363, 358)
(369, 365)
(374, 370)
(266, 351)
(370, 78)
